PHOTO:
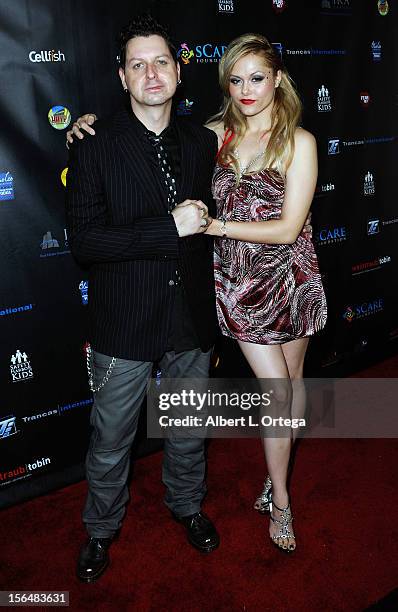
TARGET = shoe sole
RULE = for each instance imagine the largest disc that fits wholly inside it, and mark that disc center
(205, 550)
(93, 577)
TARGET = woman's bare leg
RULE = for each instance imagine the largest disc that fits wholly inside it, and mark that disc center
(268, 361)
(294, 353)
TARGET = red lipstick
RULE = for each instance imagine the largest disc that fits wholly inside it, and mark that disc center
(247, 101)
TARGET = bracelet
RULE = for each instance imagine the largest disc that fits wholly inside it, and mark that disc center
(223, 227)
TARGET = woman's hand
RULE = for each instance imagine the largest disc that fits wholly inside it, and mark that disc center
(83, 123)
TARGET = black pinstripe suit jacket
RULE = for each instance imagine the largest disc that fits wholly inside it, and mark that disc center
(118, 224)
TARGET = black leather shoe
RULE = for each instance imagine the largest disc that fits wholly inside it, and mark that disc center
(200, 530)
(93, 559)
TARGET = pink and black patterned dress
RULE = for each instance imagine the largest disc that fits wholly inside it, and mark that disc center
(266, 294)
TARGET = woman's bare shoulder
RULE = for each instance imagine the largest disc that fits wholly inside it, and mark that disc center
(304, 138)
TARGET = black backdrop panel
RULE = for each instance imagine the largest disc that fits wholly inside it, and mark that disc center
(60, 59)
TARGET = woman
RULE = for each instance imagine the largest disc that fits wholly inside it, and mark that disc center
(269, 292)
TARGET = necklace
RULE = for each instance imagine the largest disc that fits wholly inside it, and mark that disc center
(243, 170)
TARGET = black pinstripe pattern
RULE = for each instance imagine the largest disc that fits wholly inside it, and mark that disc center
(118, 225)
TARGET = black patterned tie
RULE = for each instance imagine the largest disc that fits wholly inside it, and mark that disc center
(164, 164)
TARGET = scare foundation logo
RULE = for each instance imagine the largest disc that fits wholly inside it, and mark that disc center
(331, 235)
(20, 367)
(206, 53)
(366, 309)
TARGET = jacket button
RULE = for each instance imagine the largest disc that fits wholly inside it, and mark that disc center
(171, 283)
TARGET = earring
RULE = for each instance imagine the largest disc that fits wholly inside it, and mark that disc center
(125, 90)
(179, 82)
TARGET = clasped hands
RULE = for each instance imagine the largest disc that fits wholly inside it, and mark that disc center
(191, 217)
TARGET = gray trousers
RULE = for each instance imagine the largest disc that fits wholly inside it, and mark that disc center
(114, 420)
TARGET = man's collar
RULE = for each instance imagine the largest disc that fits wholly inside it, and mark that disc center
(144, 130)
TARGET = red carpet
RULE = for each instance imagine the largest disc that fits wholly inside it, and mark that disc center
(345, 505)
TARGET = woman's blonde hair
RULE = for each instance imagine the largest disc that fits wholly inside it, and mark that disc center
(286, 112)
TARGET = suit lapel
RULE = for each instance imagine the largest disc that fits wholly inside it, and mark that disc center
(128, 141)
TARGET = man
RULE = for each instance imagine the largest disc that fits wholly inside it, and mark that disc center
(136, 212)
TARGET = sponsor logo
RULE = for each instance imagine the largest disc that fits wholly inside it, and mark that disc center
(57, 411)
(15, 309)
(376, 50)
(278, 48)
(206, 53)
(83, 287)
(63, 176)
(383, 7)
(373, 227)
(333, 146)
(279, 5)
(368, 266)
(331, 235)
(378, 140)
(8, 427)
(336, 7)
(324, 189)
(49, 242)
(366, 309)
(184, 107)
(310, 51)
(47, 56)
(6, 186)
(390, 221)
(23, 471)
(20, 367)
(59, 117)
(50, 245)
(324, 102)
(364, 98)
(225, 6)
(368, 184)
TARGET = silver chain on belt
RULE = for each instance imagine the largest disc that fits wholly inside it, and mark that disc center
(90, 370)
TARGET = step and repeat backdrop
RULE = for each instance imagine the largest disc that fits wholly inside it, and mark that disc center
(59, 60)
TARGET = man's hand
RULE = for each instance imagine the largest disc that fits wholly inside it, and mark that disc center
(191, 217)
(83, 123)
